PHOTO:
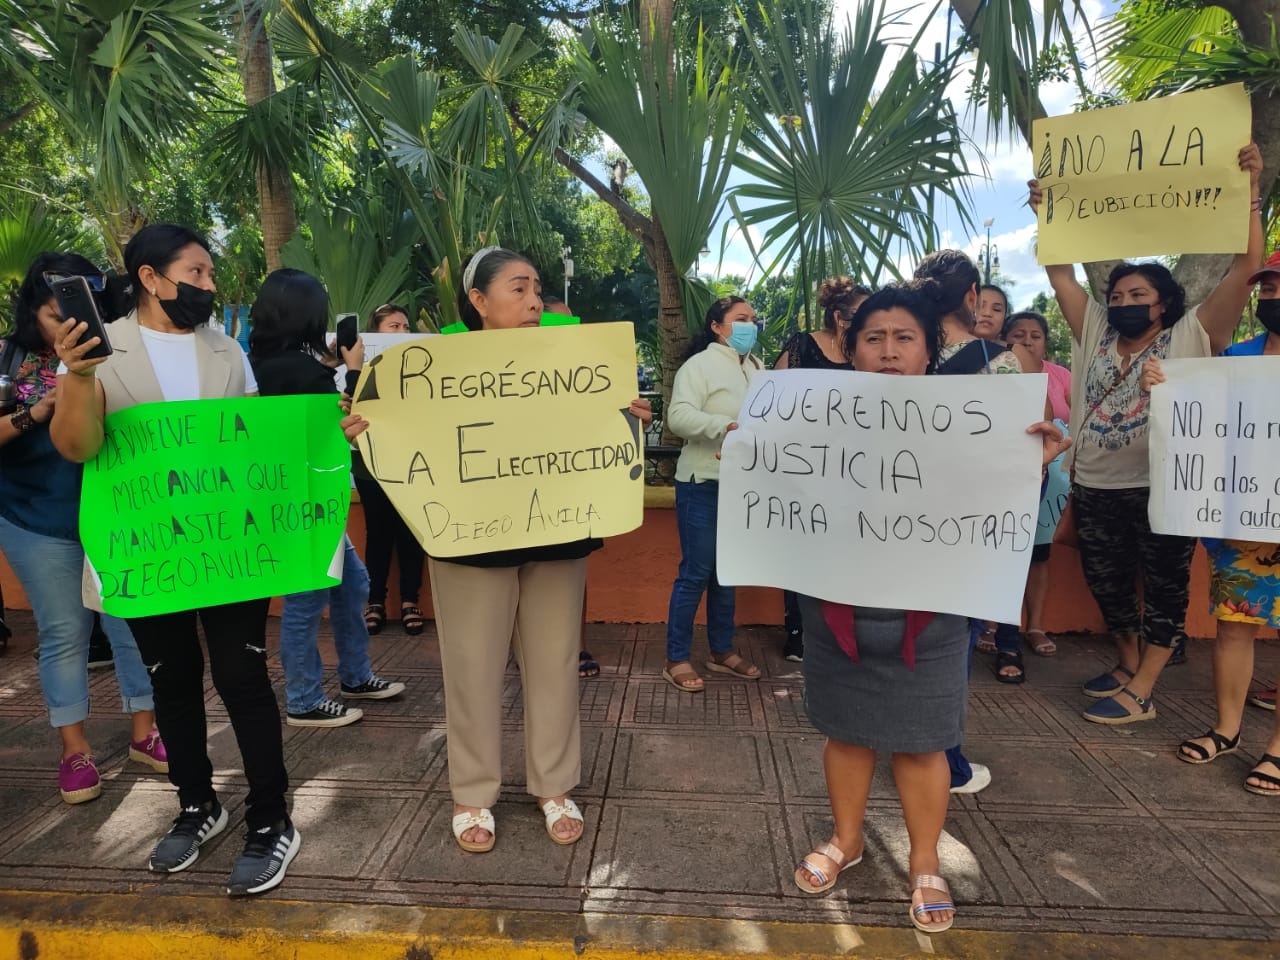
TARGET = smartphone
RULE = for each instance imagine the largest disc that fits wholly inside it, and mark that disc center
(75, 300)
(347, 332)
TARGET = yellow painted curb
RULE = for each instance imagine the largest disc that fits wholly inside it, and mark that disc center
(106, 927)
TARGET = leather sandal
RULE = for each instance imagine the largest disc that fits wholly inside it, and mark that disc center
(922, 882)
(1010, 658)
(1222, 746)
(986, 642)
(682, 676)
(1257, 774)
(735, 666)
(375, 618)
(825, 883)
(555, 812)
(1041, 645)
(464, 821)
(411, 619)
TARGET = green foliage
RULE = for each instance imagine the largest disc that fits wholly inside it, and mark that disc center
(843, 178)
(29, 227)
(1058, 346)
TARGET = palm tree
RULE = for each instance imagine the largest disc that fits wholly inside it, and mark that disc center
(123, 88)
(1161, 47)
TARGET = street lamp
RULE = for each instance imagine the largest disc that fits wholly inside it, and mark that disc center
(697, 261)
(568, 271)
(988, 253)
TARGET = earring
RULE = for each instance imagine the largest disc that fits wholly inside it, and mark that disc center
(153, 293)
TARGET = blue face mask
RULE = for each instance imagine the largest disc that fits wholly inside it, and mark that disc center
(743, 338)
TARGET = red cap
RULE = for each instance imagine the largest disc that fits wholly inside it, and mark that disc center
(1271, 266)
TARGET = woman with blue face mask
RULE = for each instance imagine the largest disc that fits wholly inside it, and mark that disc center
(705, 398)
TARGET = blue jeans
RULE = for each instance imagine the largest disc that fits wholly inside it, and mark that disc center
(696, 522)
(50, 570)
(299, 652)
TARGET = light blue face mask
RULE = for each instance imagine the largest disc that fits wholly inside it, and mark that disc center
(743, 337)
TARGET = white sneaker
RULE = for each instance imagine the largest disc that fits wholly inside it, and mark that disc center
(980, 780)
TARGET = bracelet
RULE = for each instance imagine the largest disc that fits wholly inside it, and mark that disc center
(22, 420)
(1256, 204)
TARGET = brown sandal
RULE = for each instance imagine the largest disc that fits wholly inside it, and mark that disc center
(411, 619)
(1043, 646)
(375, 618)
(734, 665)
(682, 676)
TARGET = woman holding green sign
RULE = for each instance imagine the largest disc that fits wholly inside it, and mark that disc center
(39, 533)
(165, 351)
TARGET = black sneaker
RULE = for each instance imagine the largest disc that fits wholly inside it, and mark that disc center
(100, 653)
(793, 649)
(375, 688)
(327, 713)
(267, 855)
(180, 847)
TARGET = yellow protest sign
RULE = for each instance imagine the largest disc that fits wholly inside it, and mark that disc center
(1159, 176)
(501, 439)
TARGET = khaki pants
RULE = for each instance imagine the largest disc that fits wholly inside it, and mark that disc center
(481, 615)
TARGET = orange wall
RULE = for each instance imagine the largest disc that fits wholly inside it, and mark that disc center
(629, 581)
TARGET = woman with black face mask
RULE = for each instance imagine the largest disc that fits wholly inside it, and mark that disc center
(1145, 317)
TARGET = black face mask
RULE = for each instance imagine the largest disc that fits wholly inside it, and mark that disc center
(1268, 313)
(1130, 321)
(191, 308)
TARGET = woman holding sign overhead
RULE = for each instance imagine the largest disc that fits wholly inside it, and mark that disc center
(705, 399)
(527, 601)
(166, 351)
(891, 681)
(1145, 317)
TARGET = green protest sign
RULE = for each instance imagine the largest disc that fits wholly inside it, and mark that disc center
(202, 502)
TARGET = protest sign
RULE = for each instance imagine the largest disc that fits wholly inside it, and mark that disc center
(499, 439)
(202, 502)
(1057, 490)
(912, 493)
(1158, 176)
(1215, 449)
(374, 344)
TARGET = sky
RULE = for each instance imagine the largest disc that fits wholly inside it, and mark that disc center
(999, 196)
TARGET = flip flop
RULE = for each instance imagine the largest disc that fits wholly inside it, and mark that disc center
(1222, 746)
(825, 883)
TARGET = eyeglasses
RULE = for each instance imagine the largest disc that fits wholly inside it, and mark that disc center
(96, 281)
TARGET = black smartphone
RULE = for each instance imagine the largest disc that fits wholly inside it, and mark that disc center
(347, 332)
(76, 300)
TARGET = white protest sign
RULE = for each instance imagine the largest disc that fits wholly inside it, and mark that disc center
(1215, 449)
(911, 493)
(1057, 490)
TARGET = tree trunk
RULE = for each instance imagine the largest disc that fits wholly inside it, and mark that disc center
(275, 187)
(673, 331)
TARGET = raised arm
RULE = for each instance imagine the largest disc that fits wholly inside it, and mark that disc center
(1073, 298)
(76, 428)
(1220, 313)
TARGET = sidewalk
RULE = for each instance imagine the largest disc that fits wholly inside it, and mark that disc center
(1092, 841)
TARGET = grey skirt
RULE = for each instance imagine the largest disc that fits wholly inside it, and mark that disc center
(877, 702)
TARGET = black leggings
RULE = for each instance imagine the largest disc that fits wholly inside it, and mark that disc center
(1116, 545)
(384, 531)
(235, 634)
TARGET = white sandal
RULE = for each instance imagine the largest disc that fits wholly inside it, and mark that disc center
(462, 822)
(555, 812)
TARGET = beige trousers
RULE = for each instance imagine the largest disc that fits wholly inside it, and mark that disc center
(482, 614)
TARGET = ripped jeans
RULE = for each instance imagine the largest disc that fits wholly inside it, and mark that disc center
(235, 634)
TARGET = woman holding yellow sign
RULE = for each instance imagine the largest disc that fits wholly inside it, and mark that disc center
(1145, 317)
(526, 600)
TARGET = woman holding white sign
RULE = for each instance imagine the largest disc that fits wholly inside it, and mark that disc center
(890, 680)
(1145, 317)
(1244, 587)
(705, 398)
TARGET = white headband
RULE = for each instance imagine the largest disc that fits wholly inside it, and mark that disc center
(469, 274)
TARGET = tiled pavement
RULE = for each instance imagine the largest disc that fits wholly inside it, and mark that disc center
(699, 806)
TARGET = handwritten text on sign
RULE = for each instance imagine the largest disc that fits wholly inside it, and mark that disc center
(496, 440)
(201, 502)
(913, 493)
(1159, 176)
(1215, 449)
